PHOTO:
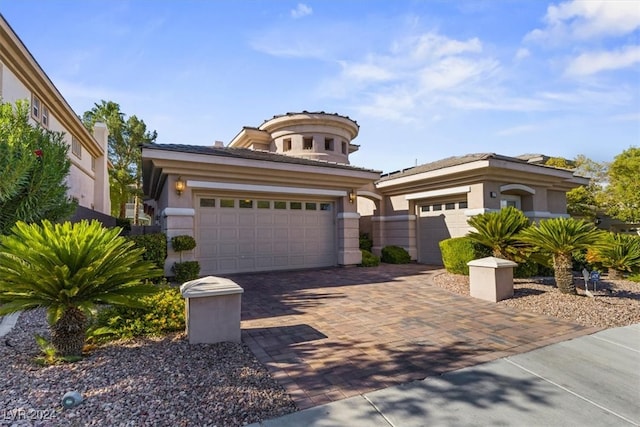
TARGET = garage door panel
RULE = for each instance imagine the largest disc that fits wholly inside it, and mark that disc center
(242, 239)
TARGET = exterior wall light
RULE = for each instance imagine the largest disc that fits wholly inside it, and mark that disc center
(180, 186)
(352, 196)
(493, 194)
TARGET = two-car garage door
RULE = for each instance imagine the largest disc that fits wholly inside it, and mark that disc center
(236, 235)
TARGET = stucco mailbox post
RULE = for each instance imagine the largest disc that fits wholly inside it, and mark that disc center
(212, 310)
(491, 278)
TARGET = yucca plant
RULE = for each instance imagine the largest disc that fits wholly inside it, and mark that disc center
(70, 269)
(560, 237)
(619, 253)
(498, 231)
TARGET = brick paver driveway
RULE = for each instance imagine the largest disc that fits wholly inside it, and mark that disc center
(330, 334)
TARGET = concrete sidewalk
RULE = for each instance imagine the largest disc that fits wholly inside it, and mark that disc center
(592, 380)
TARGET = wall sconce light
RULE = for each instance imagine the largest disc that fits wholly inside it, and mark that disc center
(352, 196)
(493, 194)
(180, 186)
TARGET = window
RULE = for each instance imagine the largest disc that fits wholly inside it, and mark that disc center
(325, 206)
(280, 205)
(307, 143)
(45, 117)
(344, 147)
(76, 148)
(264, 204)
(310, 206)
(509, 200)
(450, 206)
(425, 208)
(295, 205)
(328, 144)
(35, 108)
(93, 163)
(463, 205)
(286, 145)
(246, 204)
(207, 203)
(437, 207)
(227, 203)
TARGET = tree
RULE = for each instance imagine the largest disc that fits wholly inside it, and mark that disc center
(623, 191)
(560, 237)
(125, 139)
(498, 231)
(69, 269)
(33, 170)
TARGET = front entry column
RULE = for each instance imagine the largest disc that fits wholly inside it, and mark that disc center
(349, 238)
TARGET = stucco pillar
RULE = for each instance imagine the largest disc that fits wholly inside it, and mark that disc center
(176, 222)
(349, 238)
(101, 195)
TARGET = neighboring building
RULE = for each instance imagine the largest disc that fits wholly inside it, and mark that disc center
(265, 202)
(21, 78)
(281, 196)
(418, 207)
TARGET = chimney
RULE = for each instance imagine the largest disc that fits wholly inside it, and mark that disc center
(218, 144)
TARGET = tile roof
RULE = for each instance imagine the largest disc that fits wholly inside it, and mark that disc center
(244, 153)
(449, 162)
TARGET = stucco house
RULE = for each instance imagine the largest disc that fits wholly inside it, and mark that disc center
(418, 207)
(284, 195)
(21, 78)
(279, 196)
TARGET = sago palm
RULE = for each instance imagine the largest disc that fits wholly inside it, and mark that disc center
(70, 269)
(620, 252)
(560, 237)
(498, 231)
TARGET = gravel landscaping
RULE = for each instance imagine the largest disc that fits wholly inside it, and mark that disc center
(615, 302)
(167, 382)
(146, 382)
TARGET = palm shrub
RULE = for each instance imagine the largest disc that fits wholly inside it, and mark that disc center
(69, 269)
(560, 237)
(619, 253)
(499, 230)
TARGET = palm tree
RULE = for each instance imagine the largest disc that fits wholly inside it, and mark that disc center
(498, 231)
(70, 269)
(560, 237)
(621, 252)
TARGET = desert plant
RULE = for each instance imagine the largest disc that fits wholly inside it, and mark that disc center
(369, 259)
(620, 253)
(395, 255)
(70, 269)
(560, 237)
(498, 231)
(159, 313)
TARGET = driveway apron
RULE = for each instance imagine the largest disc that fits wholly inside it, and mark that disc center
(329, 334)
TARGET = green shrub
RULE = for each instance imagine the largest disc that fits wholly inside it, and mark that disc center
(369, 259)
(457, 252)
(528, 268)
(163, 312)
(366, 243)
(185, 271)
(183, 243)
(395, 255)
(155, 246)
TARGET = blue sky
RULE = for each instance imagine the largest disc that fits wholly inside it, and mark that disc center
(424, 79)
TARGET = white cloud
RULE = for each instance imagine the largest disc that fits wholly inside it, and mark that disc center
(301, 11)
(582, 20)
(365, 72)
(630, 117)
(595, 62)
(522, 53)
